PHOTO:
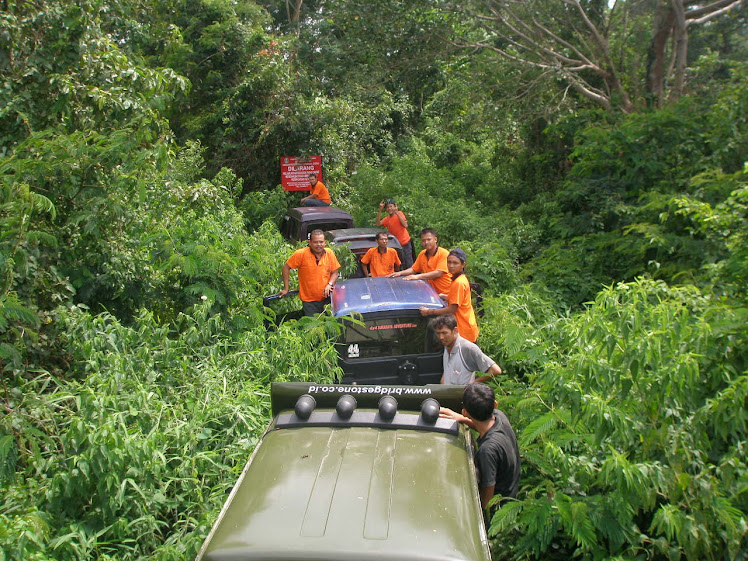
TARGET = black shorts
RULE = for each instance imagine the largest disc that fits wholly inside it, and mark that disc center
(314, 308)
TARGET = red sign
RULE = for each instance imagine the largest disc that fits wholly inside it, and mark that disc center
(295, 172)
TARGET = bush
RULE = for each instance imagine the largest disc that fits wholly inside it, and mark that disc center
(631, 439)
(132, 455)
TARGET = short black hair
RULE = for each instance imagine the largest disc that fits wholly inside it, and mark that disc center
(447, 320)
(380, 234)
(428, 231)
(478, 400)
(316, 232)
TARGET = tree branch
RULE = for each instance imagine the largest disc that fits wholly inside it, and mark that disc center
(718, 12)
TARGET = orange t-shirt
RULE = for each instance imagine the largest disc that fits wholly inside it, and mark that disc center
(313, 276)
(321, 191)
(381, 264)
(425, 264)
(459, 293)
(392, 223)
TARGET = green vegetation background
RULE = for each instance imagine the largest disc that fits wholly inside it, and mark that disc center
(139, 150)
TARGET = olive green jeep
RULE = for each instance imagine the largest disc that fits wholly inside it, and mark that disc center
(354, 472)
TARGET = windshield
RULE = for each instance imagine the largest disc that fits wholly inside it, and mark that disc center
(389, 337)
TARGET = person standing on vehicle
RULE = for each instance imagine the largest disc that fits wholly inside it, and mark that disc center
(459, 299)
(380, 261)
(497, 458)
(318, 271)
(397, 225)
(461, 359)
(431, 264)
(319, 195)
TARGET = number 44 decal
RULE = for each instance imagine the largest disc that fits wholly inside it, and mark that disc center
(353, 351)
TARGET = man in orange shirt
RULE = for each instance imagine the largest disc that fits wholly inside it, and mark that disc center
(319, 195)
(431, 264)
(397, 224)
(382, 260)
(459, 299)
(318, 270)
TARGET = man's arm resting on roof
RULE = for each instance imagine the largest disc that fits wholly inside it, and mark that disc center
(447, 413)
(408, 271)
(451, 309)
(495, 370)
(438, 273)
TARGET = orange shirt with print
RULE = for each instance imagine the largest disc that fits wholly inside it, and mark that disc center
(313, 275)
(321, 191)
(381, 264)
(459, 293)
(393, 224)
(438, 261)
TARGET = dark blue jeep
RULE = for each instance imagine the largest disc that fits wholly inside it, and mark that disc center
(390, 343)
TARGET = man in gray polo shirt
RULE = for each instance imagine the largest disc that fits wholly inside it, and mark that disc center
(462, 359)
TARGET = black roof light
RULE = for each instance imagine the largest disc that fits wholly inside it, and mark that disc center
(346, 406)
(387, 407)
(304, 406)
(430, 410)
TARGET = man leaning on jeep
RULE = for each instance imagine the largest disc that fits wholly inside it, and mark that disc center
(318, 271)
(497, 459)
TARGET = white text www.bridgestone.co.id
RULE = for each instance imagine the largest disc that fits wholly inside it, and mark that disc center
(383, 390)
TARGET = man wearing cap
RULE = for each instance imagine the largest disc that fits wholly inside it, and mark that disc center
(397, 225)
(462, 359)
(319, 196)
(381, 260)
(318, 270)
(431, 264)
(459, 299)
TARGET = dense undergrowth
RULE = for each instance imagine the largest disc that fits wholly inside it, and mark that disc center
(138, 236)
(131, 453)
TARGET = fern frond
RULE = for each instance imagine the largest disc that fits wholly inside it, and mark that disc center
(43, 204)
(42, 238)
(505, 518)
(527, 403)
(576, 521)
(542, 426)
(9, 353)
(11, 309)
(8, 457)
(541, 524)
(668, 520)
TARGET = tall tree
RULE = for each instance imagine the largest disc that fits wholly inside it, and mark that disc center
(595, 47)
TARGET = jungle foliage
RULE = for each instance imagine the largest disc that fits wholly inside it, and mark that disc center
(139, 202)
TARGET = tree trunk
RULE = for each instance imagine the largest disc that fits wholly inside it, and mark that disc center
(680, 49)
(663, 25)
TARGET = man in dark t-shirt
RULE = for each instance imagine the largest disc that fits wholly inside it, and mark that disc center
(497, 458)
